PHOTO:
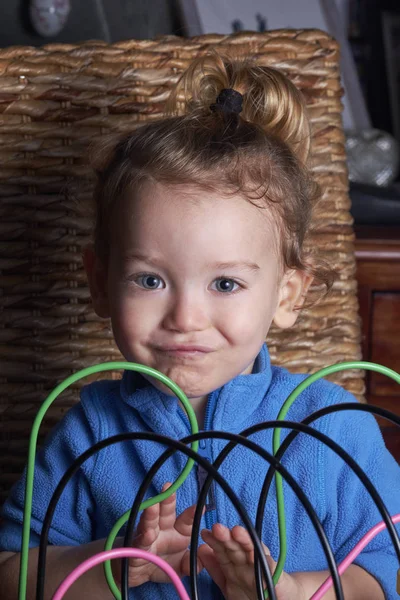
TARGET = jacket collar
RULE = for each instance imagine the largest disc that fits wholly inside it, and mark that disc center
(234, 402)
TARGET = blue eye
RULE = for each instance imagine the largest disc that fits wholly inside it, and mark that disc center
(226, 285)
(149, 282)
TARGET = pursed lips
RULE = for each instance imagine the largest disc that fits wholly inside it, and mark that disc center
(184, 349)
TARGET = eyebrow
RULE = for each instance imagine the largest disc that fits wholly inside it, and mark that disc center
(221, 266)
(236, 265)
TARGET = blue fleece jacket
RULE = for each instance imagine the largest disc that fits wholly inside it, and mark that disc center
(105, 486)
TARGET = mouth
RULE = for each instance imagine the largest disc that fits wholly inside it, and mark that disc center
(184, 350)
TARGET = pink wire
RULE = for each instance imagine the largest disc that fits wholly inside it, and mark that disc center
(135, 553)
(120, 553)
(352, 555)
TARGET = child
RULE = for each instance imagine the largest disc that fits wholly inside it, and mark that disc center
(198, 248)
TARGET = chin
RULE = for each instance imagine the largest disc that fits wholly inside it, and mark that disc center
(191, 389)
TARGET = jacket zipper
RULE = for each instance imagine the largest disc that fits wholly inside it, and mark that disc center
(205, 451)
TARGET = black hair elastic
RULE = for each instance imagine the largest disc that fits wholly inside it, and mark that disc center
(228, 101)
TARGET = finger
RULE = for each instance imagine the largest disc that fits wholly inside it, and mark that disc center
(147, 533)
(149, 520)
(242, 537)
(219, 539)
(208, 560)
(167, 509)
(184, 523)
(230, 549)
(217, 536)
(185, 564)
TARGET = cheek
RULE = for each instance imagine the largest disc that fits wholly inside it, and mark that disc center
(249, 317)
(130, 315)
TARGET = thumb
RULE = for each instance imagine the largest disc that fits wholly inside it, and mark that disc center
(185, 564)
(210, 563)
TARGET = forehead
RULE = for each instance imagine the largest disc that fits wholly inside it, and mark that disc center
(196, 216)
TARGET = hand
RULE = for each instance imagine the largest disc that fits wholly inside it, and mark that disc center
(160, 532)
(228, 556)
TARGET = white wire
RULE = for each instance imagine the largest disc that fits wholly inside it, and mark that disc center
(103, 20)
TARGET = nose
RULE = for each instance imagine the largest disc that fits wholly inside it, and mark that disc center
(187, 312)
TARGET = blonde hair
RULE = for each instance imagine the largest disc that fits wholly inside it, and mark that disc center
(261, 152)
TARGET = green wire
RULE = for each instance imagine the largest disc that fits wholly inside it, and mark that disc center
(110, 366)
(179, 481)
(151, 501)
(367, 366)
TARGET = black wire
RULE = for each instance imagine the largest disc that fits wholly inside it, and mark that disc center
(133, 516)
(322, 412)
(129, 535)
(261, 507)
(177, 446)
(203, 494)
(386, 414)
(303, 499)
(263, 497)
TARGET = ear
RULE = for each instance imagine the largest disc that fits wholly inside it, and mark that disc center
(97, 277)
(293, 290)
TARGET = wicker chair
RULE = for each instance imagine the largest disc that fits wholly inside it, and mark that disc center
(57, 99)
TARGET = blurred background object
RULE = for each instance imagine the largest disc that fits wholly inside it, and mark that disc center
(372, 157)
(108, 20)
(48, 17)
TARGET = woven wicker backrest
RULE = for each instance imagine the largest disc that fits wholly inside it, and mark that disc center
(56, 100)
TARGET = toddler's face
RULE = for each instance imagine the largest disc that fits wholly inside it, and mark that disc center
(193, 284)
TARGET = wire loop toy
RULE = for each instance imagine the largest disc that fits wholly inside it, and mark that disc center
(275, 469)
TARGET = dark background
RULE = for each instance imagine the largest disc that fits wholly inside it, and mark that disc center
(124, 19)
(366, 39)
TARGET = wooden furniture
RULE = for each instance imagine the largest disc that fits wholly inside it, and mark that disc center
(378, 274)
(57, 100)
